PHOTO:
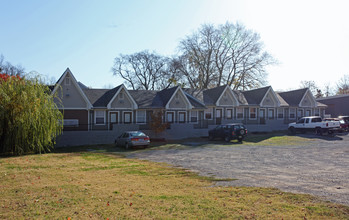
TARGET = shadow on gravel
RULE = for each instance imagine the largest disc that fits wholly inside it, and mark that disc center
(335, 137)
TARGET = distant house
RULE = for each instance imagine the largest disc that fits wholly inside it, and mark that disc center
(337, 105)
(120, 108)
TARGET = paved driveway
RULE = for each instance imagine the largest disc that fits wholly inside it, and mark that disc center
(320, 168)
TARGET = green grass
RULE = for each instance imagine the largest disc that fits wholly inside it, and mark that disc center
(88, 185)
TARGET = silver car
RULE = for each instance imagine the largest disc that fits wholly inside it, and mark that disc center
(132, 138)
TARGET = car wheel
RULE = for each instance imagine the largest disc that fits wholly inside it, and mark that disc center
(318, 131)
(126, 146)
(292, 130)
(227, 139)
(210, 137)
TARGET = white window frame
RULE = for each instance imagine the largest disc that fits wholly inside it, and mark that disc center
(277, 113)
(174, 116)
(249, 111)
(71, 122)
(208, 110)
(145, 116)
(197, 117)
(95, 114)
(231, 113)
(123, 117)
(238, 113)
(271, 118)
(295, 113)
(185, 117)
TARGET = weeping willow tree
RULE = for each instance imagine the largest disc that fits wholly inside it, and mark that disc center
(29, 119)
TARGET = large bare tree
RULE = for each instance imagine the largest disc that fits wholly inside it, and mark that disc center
(226, 54)
(144, 70)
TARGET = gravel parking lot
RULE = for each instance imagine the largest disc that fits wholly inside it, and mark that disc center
(320, 168)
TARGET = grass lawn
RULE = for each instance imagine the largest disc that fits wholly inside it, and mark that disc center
(92, 185)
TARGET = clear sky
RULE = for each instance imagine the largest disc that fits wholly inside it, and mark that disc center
(310, 39)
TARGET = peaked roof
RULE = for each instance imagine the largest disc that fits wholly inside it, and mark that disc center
(101, 97)
(143, 98)
(255, 96)
(211, 96)
(294, 97)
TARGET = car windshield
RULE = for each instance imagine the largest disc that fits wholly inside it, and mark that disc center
(137, 133)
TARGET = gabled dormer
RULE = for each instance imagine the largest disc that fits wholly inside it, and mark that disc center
(227, 98)
(308, 100)
(263, 97)
(70, 93)
(122, 99)
(270, 99)
(177, 100)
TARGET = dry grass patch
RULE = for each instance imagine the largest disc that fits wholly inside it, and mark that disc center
(101, 186)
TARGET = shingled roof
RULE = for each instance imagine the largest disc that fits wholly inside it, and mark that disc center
(294, 97)
(255, 96)
(100, 97)
(210, 96)
(143, 98)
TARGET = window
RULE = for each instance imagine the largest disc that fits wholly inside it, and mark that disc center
(229, 113)
(271, 113)
(127, 117)
(208, 113)
(193, 116)
(140, 118)
(71, 122)
(181, 117)
(170, 117)
(99, 117)
(292, 113)
(253, 114)
(67, 81)
(280, 113)
(239, 113)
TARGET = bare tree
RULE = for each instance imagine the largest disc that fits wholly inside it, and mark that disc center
(311, 85)
(144, 70)
(343, 85)
(9, 69)
(328, 91)
(227, 54)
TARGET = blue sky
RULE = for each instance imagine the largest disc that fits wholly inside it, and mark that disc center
(309, 38)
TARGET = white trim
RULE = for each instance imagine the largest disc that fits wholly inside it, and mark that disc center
(232, 113)
(145, 117)
(243, 113)
(123, 117)
(197, 116)
(109, 121)
(231, 93)
(88, 103)
(206, 110)
(135, 106)
(249, 113)
(96, 115)
(311, 97)
(173, 95)
(185, 117)
(277, 113)
(275, 96)
(174, 116)
(295, 113)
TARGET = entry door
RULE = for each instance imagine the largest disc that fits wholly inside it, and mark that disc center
(262, 116)
(218, 116)
(114, 119)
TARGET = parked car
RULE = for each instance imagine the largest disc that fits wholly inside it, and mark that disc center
(314, 123)
(343, 125)
(132, 139)
(346, 120)
(228, 132)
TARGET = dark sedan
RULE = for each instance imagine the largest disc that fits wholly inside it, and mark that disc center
(228, 132)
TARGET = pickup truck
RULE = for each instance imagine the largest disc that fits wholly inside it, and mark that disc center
(314, 124)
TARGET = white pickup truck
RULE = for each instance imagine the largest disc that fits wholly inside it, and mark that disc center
(314, 124)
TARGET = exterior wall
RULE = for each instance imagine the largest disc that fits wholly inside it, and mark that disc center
(121, 101)
(70, 96)
(337, 106)
(269, 100)
(179, 102)
(81, 115)
(227, 100)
